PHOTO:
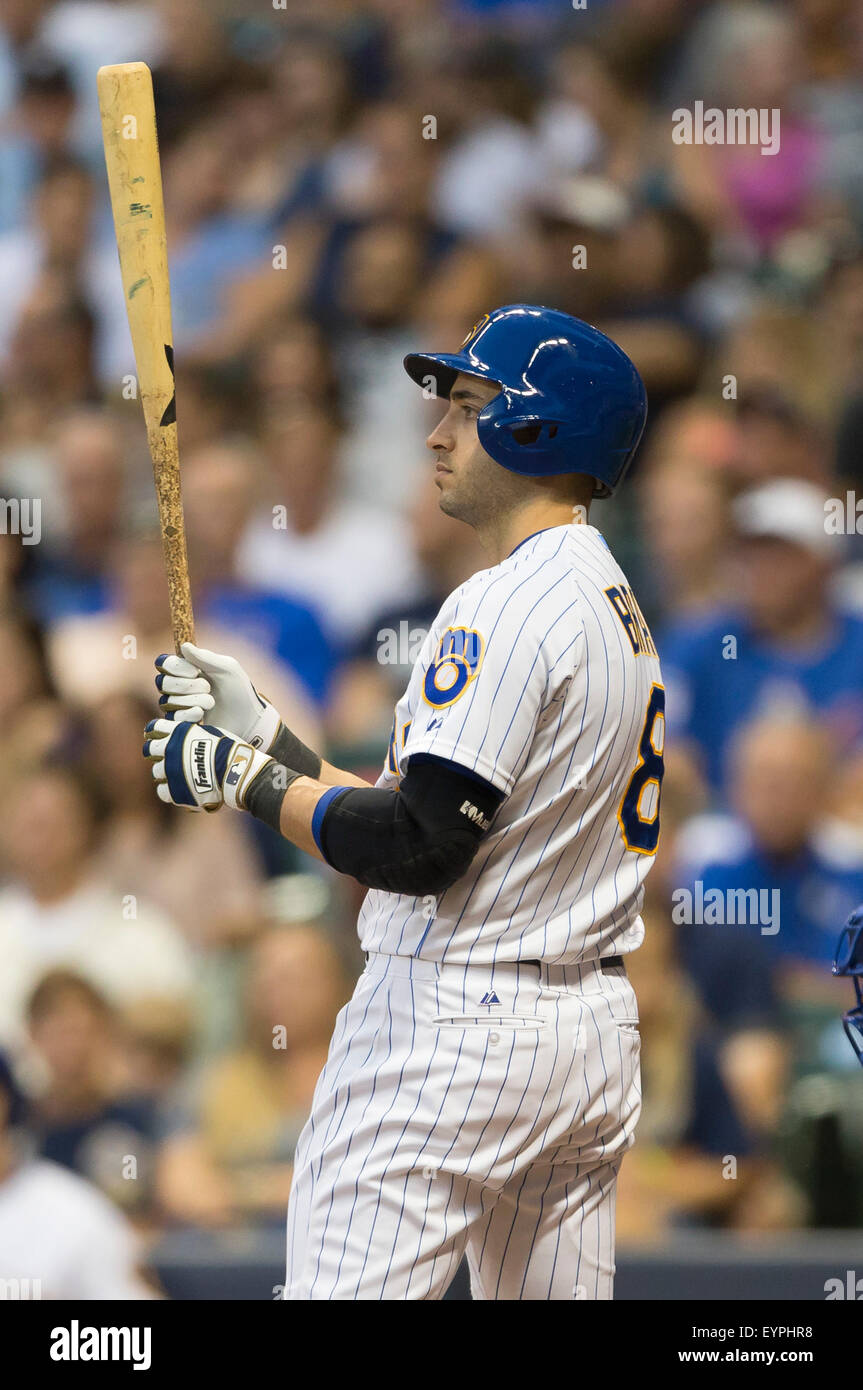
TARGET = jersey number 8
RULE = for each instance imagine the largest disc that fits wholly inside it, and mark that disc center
(638, 813)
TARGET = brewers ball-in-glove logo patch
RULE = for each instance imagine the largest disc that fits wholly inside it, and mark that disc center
(480, 323)
(456, 663)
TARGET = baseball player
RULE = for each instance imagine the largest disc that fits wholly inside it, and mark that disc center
(482, 1084)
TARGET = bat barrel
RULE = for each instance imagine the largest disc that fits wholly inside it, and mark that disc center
(135, 182)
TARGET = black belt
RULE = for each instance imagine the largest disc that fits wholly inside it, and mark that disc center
(604, 963)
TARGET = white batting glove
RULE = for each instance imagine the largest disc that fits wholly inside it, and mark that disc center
(199, 766)
(201, 683)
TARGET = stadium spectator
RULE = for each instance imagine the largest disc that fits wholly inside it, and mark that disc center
(31, 718)
(690, 1127)
(56, 909)
(218, 494)
(37, 131)
(370, 685)
(684, 510)
(114, 650)
(785, 644)
(308, 537)
(60, 1238)
(783, 868)
(70, 576)
(160, 857)
(212, 243)
(84, 1117)
(493, 163)
(196, 69)
(294, 364)
(55, 244)
(228, 1151)
(775, 440)
(755, 61)
(51, 360)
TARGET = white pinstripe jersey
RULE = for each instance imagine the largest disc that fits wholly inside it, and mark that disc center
(540, 676)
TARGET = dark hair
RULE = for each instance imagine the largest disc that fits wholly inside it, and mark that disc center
(43, 75)
(55, 985)
(32, 635)
(15, 1097)
(65, 765)
(59, 166)
(688, 242)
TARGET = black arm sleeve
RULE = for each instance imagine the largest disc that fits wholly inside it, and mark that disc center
(291, 752)
(416, 840)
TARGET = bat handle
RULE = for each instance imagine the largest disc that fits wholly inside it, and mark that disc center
(179, 592)
(166, 471)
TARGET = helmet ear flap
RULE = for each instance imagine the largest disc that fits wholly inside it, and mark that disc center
(534, 432)
(518, 440)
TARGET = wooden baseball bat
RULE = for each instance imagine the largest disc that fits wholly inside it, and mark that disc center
(135, 182)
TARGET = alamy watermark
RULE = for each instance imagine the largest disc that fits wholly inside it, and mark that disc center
(20, 1290)
(843, 516)
(21, 516)
(736, 126)
(720, 907)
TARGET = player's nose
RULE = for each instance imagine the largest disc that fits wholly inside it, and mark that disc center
(441, 437)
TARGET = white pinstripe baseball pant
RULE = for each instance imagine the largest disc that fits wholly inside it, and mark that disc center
(471, 1110)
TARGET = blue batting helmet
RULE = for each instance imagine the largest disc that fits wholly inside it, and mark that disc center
(849, 961)
(570, 399)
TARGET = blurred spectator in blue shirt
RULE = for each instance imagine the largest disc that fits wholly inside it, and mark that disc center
(35, 131)
(219, 496)
(770, 884)
(784, 647)
(692, 1122)
(70, 573)
(211, 242)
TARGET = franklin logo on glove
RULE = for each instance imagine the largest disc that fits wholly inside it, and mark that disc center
(200, 762)
(200, 766)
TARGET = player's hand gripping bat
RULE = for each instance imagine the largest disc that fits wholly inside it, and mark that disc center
(135, 181)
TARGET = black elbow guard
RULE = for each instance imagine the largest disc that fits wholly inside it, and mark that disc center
(417, 840)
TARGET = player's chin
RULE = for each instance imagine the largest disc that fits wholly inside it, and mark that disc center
(448, 501)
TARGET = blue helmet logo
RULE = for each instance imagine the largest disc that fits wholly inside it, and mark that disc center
(570, 401)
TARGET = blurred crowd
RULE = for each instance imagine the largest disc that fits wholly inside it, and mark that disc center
(346, 180)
